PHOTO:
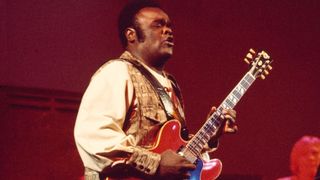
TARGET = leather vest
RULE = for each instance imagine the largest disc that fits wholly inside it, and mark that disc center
(149, 116)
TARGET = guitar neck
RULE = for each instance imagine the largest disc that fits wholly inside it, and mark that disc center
(213, 123)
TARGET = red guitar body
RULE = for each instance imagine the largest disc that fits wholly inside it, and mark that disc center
(169, 138)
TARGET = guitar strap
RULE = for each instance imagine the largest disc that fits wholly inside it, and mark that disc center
(171, 111)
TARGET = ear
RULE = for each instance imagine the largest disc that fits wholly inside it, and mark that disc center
(131, 35)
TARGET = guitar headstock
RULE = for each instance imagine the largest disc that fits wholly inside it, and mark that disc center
(260, 63)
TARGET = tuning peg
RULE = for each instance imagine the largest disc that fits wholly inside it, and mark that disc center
(269, 67)
(262, 77)
(265, 55)
(266, 72)
(252, 51)
(249, 56)
(246, 60)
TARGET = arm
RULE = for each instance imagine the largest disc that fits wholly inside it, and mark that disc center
(100, 139)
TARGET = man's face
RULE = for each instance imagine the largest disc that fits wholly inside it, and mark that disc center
(309, 161)
(157, 38)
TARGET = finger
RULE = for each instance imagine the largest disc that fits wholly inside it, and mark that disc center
(230, 112)
(188, 167)
(212, 110)
(230, 118)
(231, 127)
(231, 130)
(235, 128)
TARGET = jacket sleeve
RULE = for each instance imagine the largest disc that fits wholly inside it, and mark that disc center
(98, 132)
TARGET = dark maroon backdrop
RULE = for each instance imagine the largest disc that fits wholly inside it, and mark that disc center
(59, 45)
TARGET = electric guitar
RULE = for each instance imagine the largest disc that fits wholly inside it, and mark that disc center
(169, 135)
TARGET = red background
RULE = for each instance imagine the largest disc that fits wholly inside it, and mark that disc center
(59, 44)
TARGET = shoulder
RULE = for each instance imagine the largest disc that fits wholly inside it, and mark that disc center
(113, 68)
(111, 76)
(113, 65)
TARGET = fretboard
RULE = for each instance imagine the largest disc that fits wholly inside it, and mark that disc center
(210, 127)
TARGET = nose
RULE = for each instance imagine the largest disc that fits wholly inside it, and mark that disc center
(167, 30)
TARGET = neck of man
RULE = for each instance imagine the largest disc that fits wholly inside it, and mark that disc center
(154, 62)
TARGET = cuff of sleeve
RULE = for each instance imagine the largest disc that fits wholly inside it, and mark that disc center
(145, 161)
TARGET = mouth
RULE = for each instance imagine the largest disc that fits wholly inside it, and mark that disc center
(169, 42)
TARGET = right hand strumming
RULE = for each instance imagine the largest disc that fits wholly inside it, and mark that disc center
(174, 166)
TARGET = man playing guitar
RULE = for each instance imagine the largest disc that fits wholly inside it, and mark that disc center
(122, 111)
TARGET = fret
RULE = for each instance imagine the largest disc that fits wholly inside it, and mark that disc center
(233, 99)
(214, 123)
(224, 105)
(217, 123)
(234, 96)
(198, 140)
(209, 128)
(219, 110)
(249, 78)
(203, 135)
(215, 116)
(247, 81)
(230, 104)
(244, 84)
(240, 89)
(195, 141)
(206, 137)
(191, 149)
(203, 142)
(238, 92)
(212, 127)
(209, 132)
(189, 155)
(196, 148)
(206, 128)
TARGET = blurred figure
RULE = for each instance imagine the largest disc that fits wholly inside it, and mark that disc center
(304, 159)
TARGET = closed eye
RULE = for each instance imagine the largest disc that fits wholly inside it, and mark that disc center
(161, 22)
(158, 23)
